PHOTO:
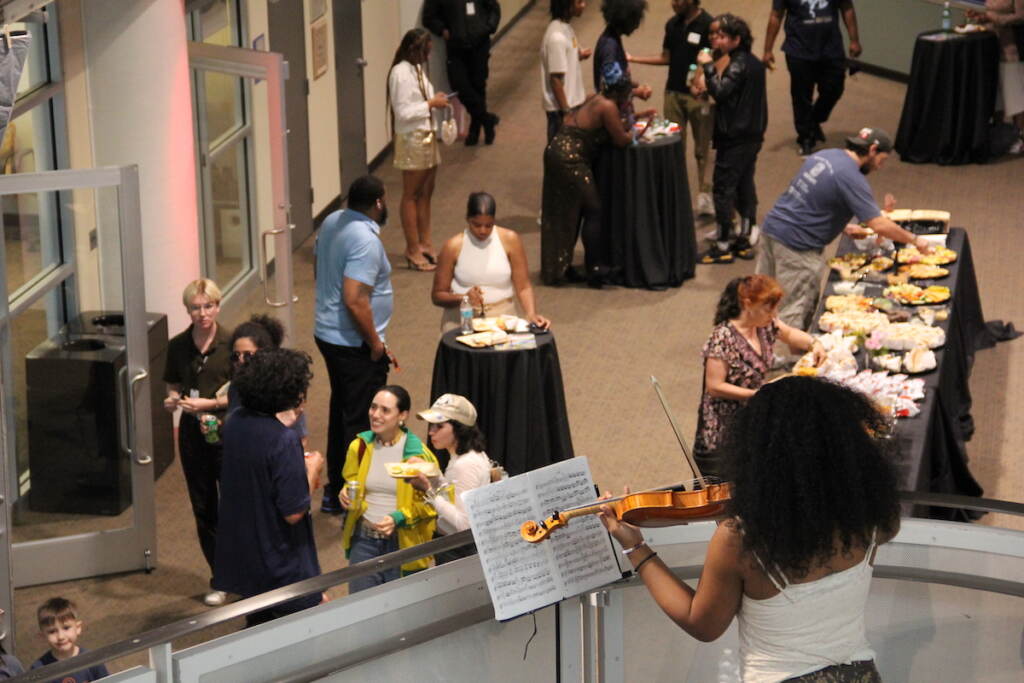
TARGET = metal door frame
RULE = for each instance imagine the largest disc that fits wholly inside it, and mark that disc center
(271, 67)
(100, 552)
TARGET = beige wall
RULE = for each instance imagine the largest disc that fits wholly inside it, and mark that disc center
(256, 25)
(324, 148)
(382, 32)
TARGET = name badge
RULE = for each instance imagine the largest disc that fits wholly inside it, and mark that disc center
(470, 9)
(693, 38)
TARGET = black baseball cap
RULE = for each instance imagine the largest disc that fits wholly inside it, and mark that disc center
(871, 136)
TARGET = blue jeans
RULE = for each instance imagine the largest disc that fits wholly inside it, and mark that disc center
(367, 549)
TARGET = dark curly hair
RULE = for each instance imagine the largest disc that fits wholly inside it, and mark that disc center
(808, 472)
(736, 27)
(264, 331)
(746, 291)
(623, 16)
(467, 438)
(561, 9)
(274, 380)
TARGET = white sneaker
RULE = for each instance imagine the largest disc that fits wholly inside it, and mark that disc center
(711, 235)
(755, 234)
(1017, 147)
(215, 598)
(705, 206)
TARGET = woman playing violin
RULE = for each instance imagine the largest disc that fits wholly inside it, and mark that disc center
(813, 494)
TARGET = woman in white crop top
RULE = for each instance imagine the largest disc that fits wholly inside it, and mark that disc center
(487, 263)
(814, 492)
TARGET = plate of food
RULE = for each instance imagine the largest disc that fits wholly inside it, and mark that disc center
(404, 470)
(852, 322)
(912, 295)
(924, 271)
(940, 256)
(855, 260)
(848, 302)
(906, 336)
(919, 359)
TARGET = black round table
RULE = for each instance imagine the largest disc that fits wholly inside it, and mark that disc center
(518, 395)
(646, 214)
(950, 99)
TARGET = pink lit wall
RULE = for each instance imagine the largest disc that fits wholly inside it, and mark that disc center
(141, 113)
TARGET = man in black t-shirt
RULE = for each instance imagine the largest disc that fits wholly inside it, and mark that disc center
(686, 33)
(814, 57)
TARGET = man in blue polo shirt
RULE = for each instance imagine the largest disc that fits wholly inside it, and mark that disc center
(814, 57)
(828, 191)
(354, 301)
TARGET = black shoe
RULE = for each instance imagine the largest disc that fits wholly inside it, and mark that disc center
(490, 122)
(574, 275)
(597, 276)
(743, 249)
(331, 505)
(819, 134)
(473, 136)
(716, 255)
(806, 147)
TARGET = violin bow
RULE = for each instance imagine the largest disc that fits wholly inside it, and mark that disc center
(678, 433)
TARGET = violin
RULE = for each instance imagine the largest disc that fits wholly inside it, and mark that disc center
(702, 499)
(657, 507)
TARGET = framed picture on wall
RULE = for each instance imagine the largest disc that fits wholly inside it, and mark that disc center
(318, 42)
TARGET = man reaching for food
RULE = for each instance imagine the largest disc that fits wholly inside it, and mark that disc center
(828, 191)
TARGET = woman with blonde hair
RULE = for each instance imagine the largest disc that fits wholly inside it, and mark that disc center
(411, 99)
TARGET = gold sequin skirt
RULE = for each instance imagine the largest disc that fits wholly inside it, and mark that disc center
(417, 151)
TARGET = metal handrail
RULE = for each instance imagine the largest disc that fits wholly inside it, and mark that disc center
(247, 606)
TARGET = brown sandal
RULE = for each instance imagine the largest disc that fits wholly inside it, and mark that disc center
(421, 266)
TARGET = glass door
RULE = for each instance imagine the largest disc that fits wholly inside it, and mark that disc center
(76, 402)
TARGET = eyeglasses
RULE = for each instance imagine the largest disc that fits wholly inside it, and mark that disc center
(239, 356)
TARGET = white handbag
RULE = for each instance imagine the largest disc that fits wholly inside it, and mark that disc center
(449, 127)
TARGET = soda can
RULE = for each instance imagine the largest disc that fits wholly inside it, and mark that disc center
(352, 489)
(212, 433)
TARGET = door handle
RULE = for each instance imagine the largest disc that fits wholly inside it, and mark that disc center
(127, 431)
(264, 266)
(361, 63)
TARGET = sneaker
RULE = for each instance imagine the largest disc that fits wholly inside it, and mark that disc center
(743, 249)
(215, 598)
(716, 255)
(711, 235)
(705, 206)
(806, 148)
(1017, 147)
(331, 505)
(755, 234)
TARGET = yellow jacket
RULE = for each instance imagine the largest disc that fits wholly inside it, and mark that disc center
(415, 520)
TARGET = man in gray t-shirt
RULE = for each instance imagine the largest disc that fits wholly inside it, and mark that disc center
(830, 189)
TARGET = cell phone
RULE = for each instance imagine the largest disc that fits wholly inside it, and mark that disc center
(537, 329)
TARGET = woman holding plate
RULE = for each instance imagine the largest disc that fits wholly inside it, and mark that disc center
(487, 263)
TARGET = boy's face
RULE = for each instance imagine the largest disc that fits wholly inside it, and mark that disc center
(62, 636)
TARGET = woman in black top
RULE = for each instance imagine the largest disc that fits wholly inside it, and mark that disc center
(741, 117)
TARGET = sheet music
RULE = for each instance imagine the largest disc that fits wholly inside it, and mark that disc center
(523, 577)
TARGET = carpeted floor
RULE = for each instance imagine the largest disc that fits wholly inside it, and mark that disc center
(610, 341)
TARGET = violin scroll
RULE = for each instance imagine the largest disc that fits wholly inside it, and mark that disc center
(534, 532)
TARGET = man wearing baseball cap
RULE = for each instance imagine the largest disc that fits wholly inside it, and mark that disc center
(829, 190)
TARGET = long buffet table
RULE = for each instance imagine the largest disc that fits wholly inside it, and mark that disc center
(933, 455)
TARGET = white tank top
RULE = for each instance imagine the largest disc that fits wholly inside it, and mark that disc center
(483, 264)
(807, 626)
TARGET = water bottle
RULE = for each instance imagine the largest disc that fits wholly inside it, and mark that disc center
(466, 315)
(947, 17)
(691, 75)
(212, 434)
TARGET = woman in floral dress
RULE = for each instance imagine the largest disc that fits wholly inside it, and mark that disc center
(738, 355)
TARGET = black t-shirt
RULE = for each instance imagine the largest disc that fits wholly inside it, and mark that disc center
(608, 49)
(190, 369)
(263, 480)
(682, 43)
(93, 673)
(812, 29)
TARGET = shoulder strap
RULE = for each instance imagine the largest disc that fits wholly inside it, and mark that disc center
(362, 451)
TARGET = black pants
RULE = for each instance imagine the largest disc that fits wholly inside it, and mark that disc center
(467, 75)
(733, 186)
(200, 462)
(828, 76)
(595, 245)
(354, 380)
(554, 123)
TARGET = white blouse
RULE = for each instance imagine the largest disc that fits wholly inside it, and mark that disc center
(409, 89)
(466, 472)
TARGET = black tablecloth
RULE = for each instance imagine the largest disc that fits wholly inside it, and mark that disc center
(933, 456)
(518, 395)
(646, 213)
(950, 99)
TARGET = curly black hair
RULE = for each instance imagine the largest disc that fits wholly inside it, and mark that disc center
(265, 332)
(623, 16)
(808, 471)
(561, 9)
(729, 307)
(274, 380)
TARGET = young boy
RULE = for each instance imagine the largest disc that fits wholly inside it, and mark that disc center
(60, 626)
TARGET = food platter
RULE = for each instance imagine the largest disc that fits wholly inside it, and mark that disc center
(940, 256)
(404, 470)
(855, 260)
(924, 271)
(848, 302)
(912, 295)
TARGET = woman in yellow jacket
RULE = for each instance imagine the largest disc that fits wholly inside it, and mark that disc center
(385, 513)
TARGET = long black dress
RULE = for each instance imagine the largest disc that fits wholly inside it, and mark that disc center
(570, 195)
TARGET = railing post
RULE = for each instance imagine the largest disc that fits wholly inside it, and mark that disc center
(609, 636)
(160, 662)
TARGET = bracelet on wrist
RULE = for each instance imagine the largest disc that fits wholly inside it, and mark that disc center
(639, 545)
(644, 561)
